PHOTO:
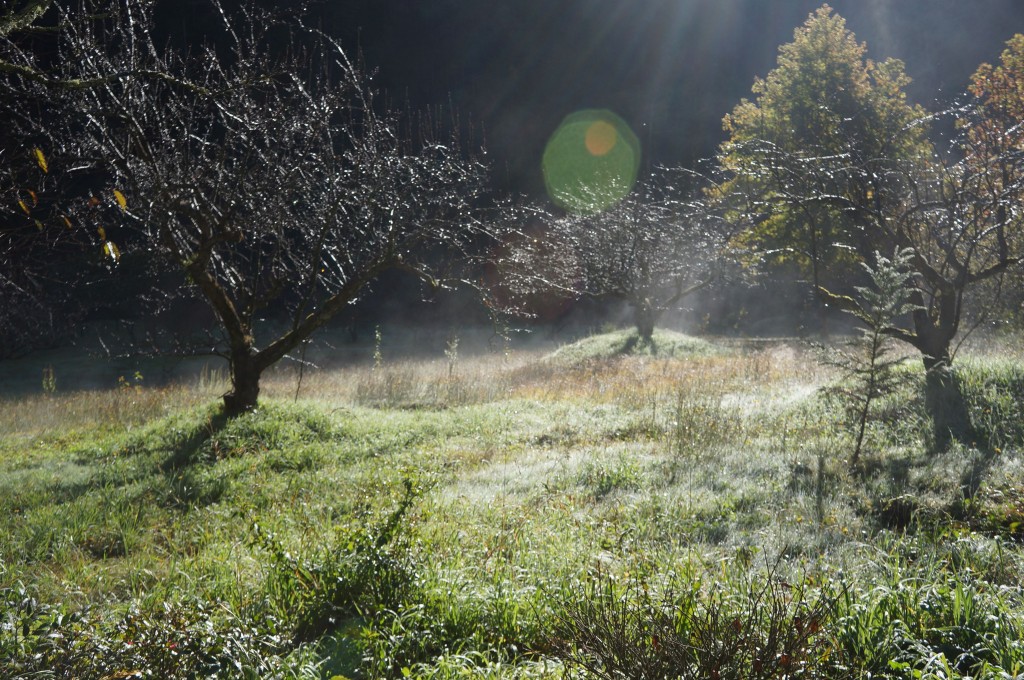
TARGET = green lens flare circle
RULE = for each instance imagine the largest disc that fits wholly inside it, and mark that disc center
(591, 161)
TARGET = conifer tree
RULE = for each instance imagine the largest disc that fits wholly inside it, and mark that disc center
(869, 361)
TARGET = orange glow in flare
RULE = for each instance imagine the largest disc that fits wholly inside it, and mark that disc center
(601, 138)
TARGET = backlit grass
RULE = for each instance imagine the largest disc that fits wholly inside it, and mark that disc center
(514, 516)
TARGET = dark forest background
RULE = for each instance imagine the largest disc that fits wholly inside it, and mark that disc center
(670, 68)
(510, 71)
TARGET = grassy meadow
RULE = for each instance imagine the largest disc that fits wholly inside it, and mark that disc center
(603, 510)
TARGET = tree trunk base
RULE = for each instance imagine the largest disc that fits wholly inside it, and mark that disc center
(244, 393)
(945, 403)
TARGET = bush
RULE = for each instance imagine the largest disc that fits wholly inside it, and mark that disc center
(185, 639)
(367, 571)
(748, 626)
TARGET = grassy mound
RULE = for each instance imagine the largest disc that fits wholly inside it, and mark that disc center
(664, 344)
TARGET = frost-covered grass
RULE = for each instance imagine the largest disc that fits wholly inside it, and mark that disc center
(514, 515)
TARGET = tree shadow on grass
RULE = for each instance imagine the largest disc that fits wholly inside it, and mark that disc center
(187, 449)
(637, 344)
(899, 504)
(182, 468)
(972, 478)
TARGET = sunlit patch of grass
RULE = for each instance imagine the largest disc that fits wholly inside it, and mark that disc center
(993, 389)
(616, 344)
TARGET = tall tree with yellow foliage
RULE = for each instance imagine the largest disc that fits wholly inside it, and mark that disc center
(824, 109)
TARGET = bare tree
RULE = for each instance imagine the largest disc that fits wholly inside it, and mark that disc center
(269, 175)
(650, 250)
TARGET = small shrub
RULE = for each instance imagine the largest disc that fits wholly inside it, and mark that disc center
(693, 627)
(366, 571)
(483, 629)
(177, 640)
(868, 364)
(601, 478)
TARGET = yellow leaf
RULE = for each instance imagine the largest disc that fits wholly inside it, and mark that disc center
(35, 198)
(24, 207)
(67, 222)
(121, 201)
(111, 251)
(102, 232)
(41, 160)
(39, 225)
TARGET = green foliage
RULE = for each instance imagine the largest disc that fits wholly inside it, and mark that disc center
(933, 612)
(378, 355)
(483, 629)
(49, 380)
(176, 640)
(868, 364)
(696, 625)
(824, 100)
(364, 572)
(601, 478)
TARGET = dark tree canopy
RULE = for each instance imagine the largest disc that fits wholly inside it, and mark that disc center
(40, 256)
(270, 176)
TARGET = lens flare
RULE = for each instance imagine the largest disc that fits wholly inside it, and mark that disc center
(591, 161)
(600, 138)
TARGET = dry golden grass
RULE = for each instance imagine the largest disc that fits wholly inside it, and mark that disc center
(127, 407)
(757, 379)
(630, 381)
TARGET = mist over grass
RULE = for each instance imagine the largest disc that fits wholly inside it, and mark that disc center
(601, 510)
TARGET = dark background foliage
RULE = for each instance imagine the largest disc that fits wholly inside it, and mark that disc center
(670, 68)
(511, 71)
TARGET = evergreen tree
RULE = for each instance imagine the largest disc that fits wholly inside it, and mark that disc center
(869, 362)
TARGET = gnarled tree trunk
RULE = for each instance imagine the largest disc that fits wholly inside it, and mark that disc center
(245, 383)
(943, 399)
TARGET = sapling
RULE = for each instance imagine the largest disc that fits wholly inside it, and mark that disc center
(868, 362)
(378, 355)
(451, 352)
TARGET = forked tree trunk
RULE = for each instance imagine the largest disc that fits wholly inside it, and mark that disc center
(645, 316)
(246, 365)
